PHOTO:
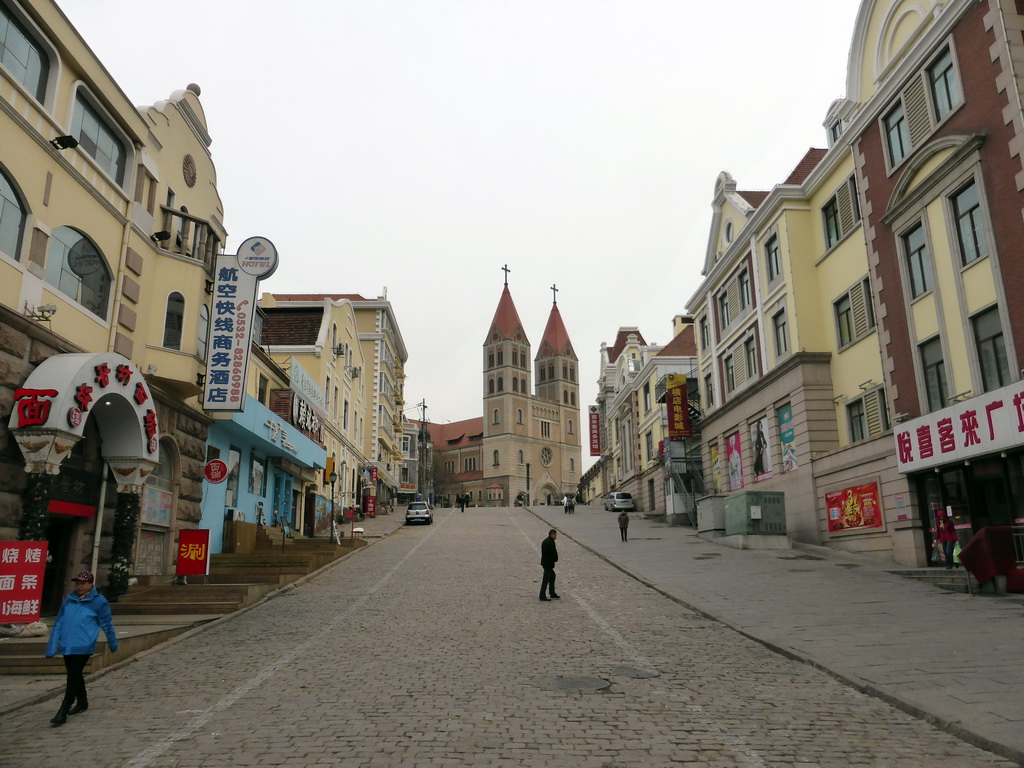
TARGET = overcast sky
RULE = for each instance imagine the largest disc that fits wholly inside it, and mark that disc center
(419, 145)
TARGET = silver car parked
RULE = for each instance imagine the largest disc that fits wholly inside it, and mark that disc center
(419, 512)
(617, 500)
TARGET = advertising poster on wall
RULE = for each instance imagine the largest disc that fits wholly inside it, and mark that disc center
(854, 508)
(787, 438)
(22, 566)
(733, 452)
(718, 470)
(762, 449)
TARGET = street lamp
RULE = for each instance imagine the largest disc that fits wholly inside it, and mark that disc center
(333, 477)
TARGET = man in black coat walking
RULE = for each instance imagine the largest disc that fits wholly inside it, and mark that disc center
(548, 558)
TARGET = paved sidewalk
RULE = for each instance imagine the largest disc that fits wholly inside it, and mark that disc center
(952, 659)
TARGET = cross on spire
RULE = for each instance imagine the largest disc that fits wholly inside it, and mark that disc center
(554, 294)
(506, 270)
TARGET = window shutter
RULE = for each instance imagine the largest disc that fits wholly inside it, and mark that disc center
(873, 413)
(844, 203)
(734, 299)
(858, 304)
(739, 365)
(916, 105)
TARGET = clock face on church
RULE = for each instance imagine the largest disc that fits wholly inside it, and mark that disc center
(545, 456)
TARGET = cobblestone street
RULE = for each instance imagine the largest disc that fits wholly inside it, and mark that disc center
(430, 648)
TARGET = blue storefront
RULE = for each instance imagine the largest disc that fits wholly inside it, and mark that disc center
(270, 463)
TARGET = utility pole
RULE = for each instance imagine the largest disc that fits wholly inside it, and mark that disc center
(423, 449)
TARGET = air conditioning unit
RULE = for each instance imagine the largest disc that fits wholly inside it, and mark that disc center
(238, 515)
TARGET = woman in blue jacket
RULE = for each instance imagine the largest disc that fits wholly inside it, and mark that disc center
(82, 614)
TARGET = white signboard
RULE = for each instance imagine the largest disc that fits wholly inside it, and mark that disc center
(234, 308)
(304, 384)
(988, 423)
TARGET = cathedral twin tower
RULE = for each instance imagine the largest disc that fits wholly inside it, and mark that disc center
(531, 442)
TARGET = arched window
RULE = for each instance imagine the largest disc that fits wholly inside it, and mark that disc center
(519, 416)
(565, 396)
(572, 398)
(515, 384)
(496, 462)
(569, 427)
(78, 270)
(22, 55)
(522, 385)
(572, 465)
(490, 387)
(490, 359)
(98, 139)
(551, 371)
(520, 457)
(496, 417)
(174, 320)
(500, 361)
(12, 212)
(515, 357)
(501, 384)
(203, 331)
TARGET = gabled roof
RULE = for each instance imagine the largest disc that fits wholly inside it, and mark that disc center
(291, 327)
(555, 336)
(506, 319)
(453, 434)
(805, 166)
(319, 296)
(620, 342)
(683, 345)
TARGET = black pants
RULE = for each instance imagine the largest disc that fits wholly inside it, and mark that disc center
(548, 582)
(624, 533)
(75, 689)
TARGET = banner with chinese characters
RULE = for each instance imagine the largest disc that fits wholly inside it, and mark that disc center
(22, 564)
(787, 437)
(988, 423)
(595, 431)
(678, 408)
(236, 278)
(853, 508)
(193, 552)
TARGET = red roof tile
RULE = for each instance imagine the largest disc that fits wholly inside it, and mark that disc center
(556, 336)
(805, 166)
(506, 319)
(454, 434)
(683, 345)
(754, 198)
(282, 325)
(620, 342)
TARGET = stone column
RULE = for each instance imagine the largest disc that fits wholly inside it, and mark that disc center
(131, 476)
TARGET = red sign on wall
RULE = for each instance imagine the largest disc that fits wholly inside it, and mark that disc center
(853, 508)
(678, 407)
(595, 431)
(22, 564)
(194, 553)
(216, 471)
(371, 506)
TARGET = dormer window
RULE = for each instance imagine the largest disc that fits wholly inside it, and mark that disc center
(728, 232)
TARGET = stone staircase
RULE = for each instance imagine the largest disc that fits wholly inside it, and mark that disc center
(955, 579)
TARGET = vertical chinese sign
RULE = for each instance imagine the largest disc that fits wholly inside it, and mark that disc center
(234, 308)
(595, 431)
(194, 553)
(678, 407)
(22, 564)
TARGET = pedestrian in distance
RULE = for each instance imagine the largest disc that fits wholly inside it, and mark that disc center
(82, 614)
(548, 558)
(462, 502)
(624, 525)
(565, 504)
(947, 537)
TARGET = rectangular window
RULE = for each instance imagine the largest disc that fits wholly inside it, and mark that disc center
(730, 375)
(771, 258)
(234, 463)
(934, 368)
(647, 397)
(257, 475)
(844, 320)
(705, 333)
(830, 214)
(750, 358)
(781, 333)
(261, 388)
(723, 309)
(988, 338)
(858, 421)
(545, 429)
(919, 267)
(970, 229)
(944, 84)
(98, 139)
(649, 439)
(744, 283)
(709, 391)
(897, 134)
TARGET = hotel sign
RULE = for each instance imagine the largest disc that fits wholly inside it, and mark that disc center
(985, 424)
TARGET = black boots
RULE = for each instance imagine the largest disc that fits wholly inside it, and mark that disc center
(81, 706)
(61, 717)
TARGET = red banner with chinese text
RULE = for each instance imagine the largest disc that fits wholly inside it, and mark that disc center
(595, 432)
(194, 553)
(678, 407)
(22, 564)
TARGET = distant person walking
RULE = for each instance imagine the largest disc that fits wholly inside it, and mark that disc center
(947, 537)
(566, 504)
(548, 558)
(82, 614)
(624, 525)
(461, 499)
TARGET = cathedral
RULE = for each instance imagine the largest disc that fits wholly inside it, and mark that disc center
(526, 446)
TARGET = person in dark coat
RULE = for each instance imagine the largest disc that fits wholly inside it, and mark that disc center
(82, 614)
(548, 558)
